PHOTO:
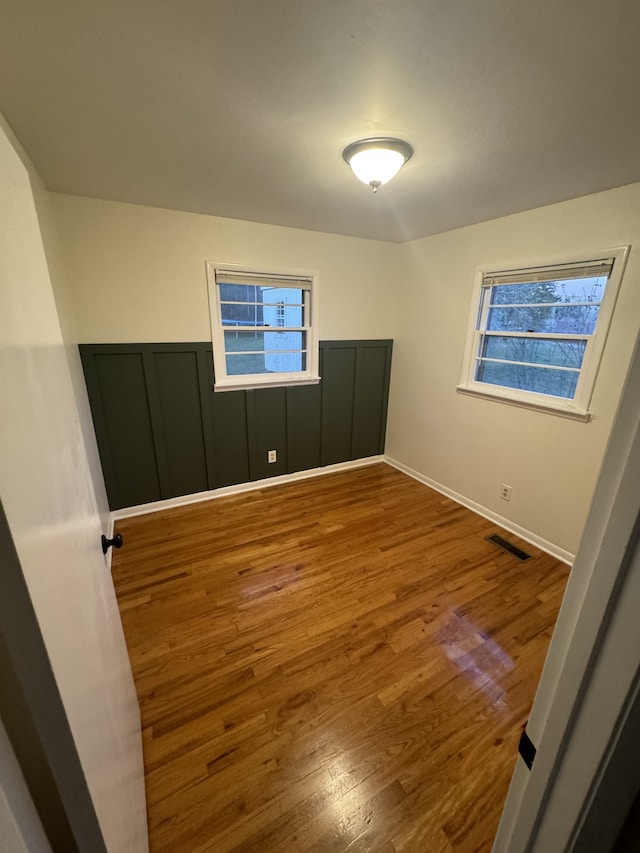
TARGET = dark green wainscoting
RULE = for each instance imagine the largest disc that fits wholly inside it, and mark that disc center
(163, 432)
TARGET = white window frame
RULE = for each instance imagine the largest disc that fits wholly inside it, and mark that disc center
(578, 407)
(224, 382)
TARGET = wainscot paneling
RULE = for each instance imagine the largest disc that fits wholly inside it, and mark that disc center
(163, 432)
(120, 408)
(338, 391)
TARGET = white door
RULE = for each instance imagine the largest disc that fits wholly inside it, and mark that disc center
(50, 504)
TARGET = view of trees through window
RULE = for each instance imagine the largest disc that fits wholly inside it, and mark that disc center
(534, 334)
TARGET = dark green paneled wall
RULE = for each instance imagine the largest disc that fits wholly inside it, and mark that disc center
(267, 428)
(123, 427)
(162, 432)
(370, 399)
(338, 392)
(304, 427)
(174, 394)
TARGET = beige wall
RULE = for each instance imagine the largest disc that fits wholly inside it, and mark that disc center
(471, 445)
(138, 273)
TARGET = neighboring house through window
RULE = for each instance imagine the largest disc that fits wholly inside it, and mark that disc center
(538, 332)
(262, 326)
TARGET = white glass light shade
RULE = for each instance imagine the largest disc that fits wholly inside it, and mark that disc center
(376, 165)
(376, 161)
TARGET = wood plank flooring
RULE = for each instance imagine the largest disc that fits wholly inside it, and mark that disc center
(341, 663)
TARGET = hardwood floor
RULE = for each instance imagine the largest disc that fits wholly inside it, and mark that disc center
(341, 663)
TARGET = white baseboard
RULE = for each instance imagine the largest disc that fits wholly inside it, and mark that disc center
(184, 500)
(521, 532)
(225, 491)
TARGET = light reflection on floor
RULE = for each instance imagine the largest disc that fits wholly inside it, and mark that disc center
(480, 658)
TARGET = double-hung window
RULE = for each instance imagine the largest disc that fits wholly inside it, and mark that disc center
(263, 327)
(538, 332)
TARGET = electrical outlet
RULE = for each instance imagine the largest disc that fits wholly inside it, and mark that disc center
(505, 492)
(272, 455)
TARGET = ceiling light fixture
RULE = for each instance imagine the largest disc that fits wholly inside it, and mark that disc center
(375, 161)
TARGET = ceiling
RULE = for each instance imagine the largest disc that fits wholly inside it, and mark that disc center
(241, 108)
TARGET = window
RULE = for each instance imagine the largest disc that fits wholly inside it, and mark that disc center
(262, 328)
(538, 332)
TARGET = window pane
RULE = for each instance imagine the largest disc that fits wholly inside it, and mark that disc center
(282, 314)
(257, 341)
(255, 293)
(541, 380)
(286, 362)
(240, 293)
(267, 306)
(560, 320)
(535, 350)
(573, 290)
(238, 365)
(242, 315)
(244, 341)
(266, 362)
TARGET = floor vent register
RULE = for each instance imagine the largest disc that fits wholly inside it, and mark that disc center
(516, 552)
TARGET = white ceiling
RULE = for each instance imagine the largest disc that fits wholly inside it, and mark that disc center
(241, 108)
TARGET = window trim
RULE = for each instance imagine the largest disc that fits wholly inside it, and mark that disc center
(247, 381)
(577, 408)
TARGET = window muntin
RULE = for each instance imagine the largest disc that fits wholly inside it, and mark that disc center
(262, 328)
(538, 333)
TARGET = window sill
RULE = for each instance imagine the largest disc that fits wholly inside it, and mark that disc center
(274, 383)
(535, 405)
